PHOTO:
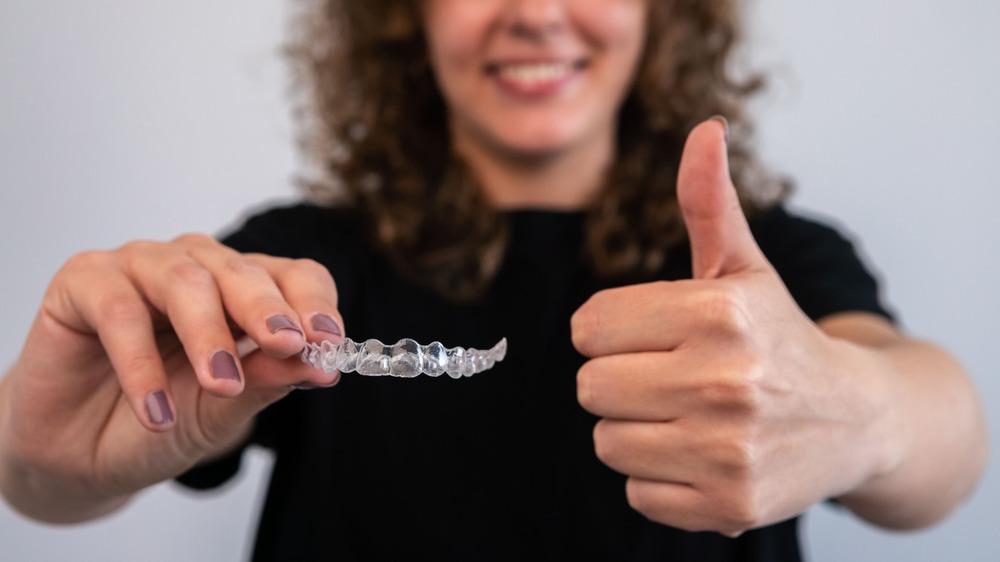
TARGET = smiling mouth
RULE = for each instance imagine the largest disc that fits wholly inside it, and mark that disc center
(535, 73)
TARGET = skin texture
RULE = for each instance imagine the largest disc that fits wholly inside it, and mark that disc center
(114, 328)
(729, 409)
(726, 407)
(530, 142)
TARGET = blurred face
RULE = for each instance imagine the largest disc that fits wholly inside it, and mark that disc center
(534, 77)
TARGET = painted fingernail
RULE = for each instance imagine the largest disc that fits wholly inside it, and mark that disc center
(224, 366)
(158, 408)
(282, 322)
(725, 125)
(323, 323)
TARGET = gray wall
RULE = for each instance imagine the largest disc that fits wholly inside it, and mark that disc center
(123, 120)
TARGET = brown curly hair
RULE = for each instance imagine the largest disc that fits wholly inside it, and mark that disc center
(375, 121)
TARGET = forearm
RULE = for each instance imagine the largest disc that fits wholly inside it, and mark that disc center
(932, 428)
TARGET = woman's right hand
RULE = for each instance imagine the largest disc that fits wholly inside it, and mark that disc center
(144, 360)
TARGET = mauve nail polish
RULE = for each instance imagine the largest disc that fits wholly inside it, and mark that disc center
(158, 408)
(323, 323)
(282, 322)
(224, 366)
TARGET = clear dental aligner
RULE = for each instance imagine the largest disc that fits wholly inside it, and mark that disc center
(406, 358)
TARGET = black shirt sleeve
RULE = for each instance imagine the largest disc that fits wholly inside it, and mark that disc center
(820, 267)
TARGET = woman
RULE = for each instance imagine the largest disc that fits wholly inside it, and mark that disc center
(541, 170)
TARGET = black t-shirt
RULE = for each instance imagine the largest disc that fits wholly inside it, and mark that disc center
(499, 466)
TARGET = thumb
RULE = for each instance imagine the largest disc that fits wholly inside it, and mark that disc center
(267, 380)
(720, 237)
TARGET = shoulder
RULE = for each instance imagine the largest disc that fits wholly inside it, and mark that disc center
(781, 229)
(819, 262)
(792, 238)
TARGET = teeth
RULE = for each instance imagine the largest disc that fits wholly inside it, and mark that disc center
(535, 73)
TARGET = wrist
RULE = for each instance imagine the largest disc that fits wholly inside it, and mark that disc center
(871, 442)
(881, 439)
(934, 438)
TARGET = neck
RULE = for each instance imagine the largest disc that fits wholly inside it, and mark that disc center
(563, 180)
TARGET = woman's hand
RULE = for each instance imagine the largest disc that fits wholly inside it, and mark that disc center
(146, 359)
(724, 404)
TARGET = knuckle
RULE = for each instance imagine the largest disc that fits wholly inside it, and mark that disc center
(584, 327)
(121, 308)
(742, 390)
(312, 268)
(585, 386)
(742, 513)
(242, 265)
(137, 247)
(91, 259)
(137, 364)
(190, 274)
(132, 254)
(738, 457)
(738, 504)
(598, 387)
(192, 239)
(638, 499)
(604, 446)
(726, 309)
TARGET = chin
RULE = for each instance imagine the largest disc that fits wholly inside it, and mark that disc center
(534, 152)
(538, 143)
(527, 138)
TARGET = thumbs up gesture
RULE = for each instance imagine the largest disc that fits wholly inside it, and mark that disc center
(715, 393)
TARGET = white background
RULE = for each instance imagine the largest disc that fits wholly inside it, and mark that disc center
(123, 119)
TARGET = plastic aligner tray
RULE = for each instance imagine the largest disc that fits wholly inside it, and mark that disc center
(406, 358)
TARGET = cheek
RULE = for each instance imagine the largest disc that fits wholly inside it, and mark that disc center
(619, 26)
(455, 31)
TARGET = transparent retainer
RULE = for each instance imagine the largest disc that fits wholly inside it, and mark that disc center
(406, 358)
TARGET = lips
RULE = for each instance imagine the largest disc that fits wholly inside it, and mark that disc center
(535, 77)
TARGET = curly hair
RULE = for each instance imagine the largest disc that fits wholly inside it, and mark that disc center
(374, 120)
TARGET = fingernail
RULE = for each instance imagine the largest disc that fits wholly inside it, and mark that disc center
(282, 322)
(224, 366)
(323, 323)
(306, 385)
(158, 408)
(725, 125)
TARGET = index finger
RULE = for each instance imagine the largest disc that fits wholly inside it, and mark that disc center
(310, 289)
(121, 320)
(658, 316)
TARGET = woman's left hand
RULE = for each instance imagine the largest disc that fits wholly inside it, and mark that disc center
(725, 405)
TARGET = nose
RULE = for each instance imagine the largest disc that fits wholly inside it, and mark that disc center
(535, 18)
